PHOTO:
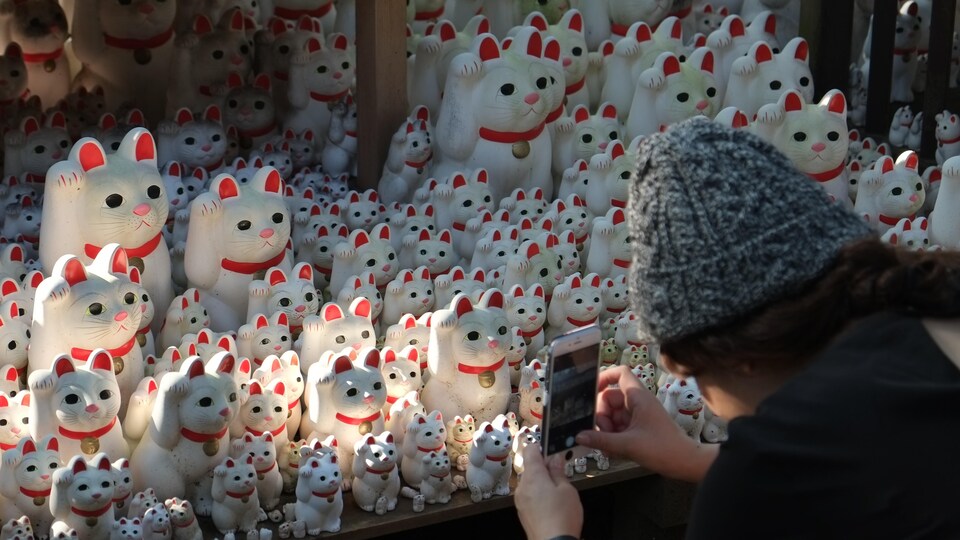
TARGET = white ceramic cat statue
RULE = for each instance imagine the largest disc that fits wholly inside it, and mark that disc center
(401, 373)
(263, 450)
(576, 303)
(685, 405)
(900, 126)
(460, 439)
(196, 141)
(467, 365)
(294, 296)
(409, 159)
(26, 480)
(491, 464)
(235, 232)
(761, 76)
(129, 187)
(376, 480)
(319, 497)
(235, 497)
(425, 434)
(40, 28)
(581, 135)
(17, 529)
(437, 484)
(334, 329)
(671, 91)
(82, 497)
(340, 152)
(948, 136)
(320, 75)
(890, 191)
(183, 519)
(364, 252)
(188, 430)
(81, 404)
(944, 221)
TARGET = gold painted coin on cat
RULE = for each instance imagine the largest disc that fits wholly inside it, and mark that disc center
(91, 522)
(90, 445)
(259, 274)
(365, 427)
(136, 262)
(142, 56)
(39, 501)
(330, 499)
(117, 365)
(141, 339)
(211, 447)
(49, 66)
(259, 476)
(521, 149)
(245, 498)
(384, 476)
(487, 378)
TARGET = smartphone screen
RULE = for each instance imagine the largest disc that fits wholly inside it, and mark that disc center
(572, 391)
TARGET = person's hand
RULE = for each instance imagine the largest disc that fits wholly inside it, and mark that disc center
(633, 424)
(547, 504)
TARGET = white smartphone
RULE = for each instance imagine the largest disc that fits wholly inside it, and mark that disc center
(574, 364)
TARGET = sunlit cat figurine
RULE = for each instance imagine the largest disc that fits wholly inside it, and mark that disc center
(81, 308)
(235, 232)
(264, 411)
(33, 148)
(26, 478)
(532, 399)
(285, 368)
(262, 337)
(576, 303)
(82, 497)
(401, 373)
(235, 497)
(514, 148)
(129, 188)
(81, 404)
(346, 401)
(425, 434)
(16, 420)
(293, 295)
(186, 315)
(671, 91)
(319, 497)
(568, 31)
(127, 50)
(526, 309)
(814, 137)
(198, 74)
(263, 450)
(535, 263)
(364, 285)
(196, 141)
(334, 329)
(414, 332)
(376, 480)
(144, 335)
(460, 439)
(320, 75)
(490, 462)
(890, 191)
(40, 28)
(468, 371)
(187, 433)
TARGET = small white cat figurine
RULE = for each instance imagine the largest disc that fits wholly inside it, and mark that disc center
(491, 464)
(82, 497)
(425, 434)
(319, 497)
(26, 478)
(262, 449)
(376, 480)
(235, 498)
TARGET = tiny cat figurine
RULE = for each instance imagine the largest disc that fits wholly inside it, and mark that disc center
(616, 297)
(197, 142)
(156, 523)
(813, 136)
(514, 148)
(28, 152)
(186, 315)
(911, 234)
(468, 371)
(17, 529)
(362, 210)
(198, 75)
(142, 502)
(303, 148)
(532, 398)
(490, 465)
(409, 159)
(900, 126)
(287, 369)
(82, 497)
(140, 407)
(670, 92)
(125, 52)
(401, 373)
(581, 135)
(22, 222)
(494, 248)
(183, 519)
(460, 439)
(26, 478)
(307, 221)
(124, 485)
(425, 434)
(376, 480)
(613, 169)
(319, 247)
(458, 201)
(576, 303)
(334, 329)
(634, 355)
(340, 152)
(411, 293)
(320, 75)
(434, 253)
(516, 356)
(762, 76)
(525, 437)
(346, 399)
(364, 252)
(40, 28)
(890, 191)
(319, 497)
(262, 448)
(363, 286)
(235, 232)
(437, 484)
(187, 434)
(81, 308)
(128, 184)
(457, 281)
(948, 136)
(401, 413)
(522, 204)
(410, 221)
(647, 375)
(685, 405)
(250, 109)
(81, 404)
(294, 296)
(263, 337)
(413, 332)
(235, 498)
(535, 263)
(610, 249)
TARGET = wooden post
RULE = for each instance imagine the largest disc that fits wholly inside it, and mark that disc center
(938, 71)
(827, 28)
(881, 65)
(381, 83)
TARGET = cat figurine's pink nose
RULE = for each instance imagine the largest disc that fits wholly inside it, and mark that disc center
(145, 8)
(818, 147)
(225, 412)
(120, 317)
(91, 408)
(567, 61)
(300, 308)
(338, 75)
(702, 104)
(266, 233)
(531, 98)
(493, 344)
(141, 209)
(236, 60)
(386, 268)
(368, 399)
(913, 198)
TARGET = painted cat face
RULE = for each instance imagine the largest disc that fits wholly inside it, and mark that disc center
(418, 145)
(762, 76)
(190, 313)
(221, 50)
(526, 309)
(332, 63)
(413, 291)
(128, 529)
(44, 145)
(378, 453)
(200, 142)
(460, 430)
(481, 334)
(567, 252)
(513, 93)
(544, 266)
(287, 41)
(324, 472)
(347, 329)
(211, 401)
(255, 219)
(92, 482)
(303, 148)
(401, 372)
(568, 32)
(322, 250)
(813, 136)
(239, 475)
(268, 336)
(375, 254)
(181, 511)
(615, 294)
(294, 296)
(358, 390)
(17, 529)
(278, 158)
(86, 398)
(429, 430)
(908, 26)
(362, 210)
(592, 133)
(39, 25)
(411, 221)
(897, 189)
(129, 20)
(494, 439)
(13, 75)
(249, 107)
(410, 332)
(469, 197)
(266, 408)
(177, 198)
(14, 419)
(584, 301)
(435, 253)
(34, 470)
(572, 215)
(709, 19)
(362, 286)
(493, 250)
(688, 90)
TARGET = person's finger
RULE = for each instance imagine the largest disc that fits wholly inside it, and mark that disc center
(605, 423)
(557, 470)
(609, 376)
(606, 442)
(610, 400)
(627, 379)
(535, 472)
(638, 400)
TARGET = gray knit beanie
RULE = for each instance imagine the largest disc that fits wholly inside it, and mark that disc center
(723, 224)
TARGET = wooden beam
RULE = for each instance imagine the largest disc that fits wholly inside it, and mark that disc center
(829, 43)
(381, 83)
(938, 71)
(881, 66)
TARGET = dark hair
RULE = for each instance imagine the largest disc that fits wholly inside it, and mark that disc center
(867, 277)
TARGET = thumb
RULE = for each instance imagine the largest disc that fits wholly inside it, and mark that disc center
(602, 440)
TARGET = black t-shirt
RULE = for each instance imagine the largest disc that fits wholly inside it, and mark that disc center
(864, 443)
